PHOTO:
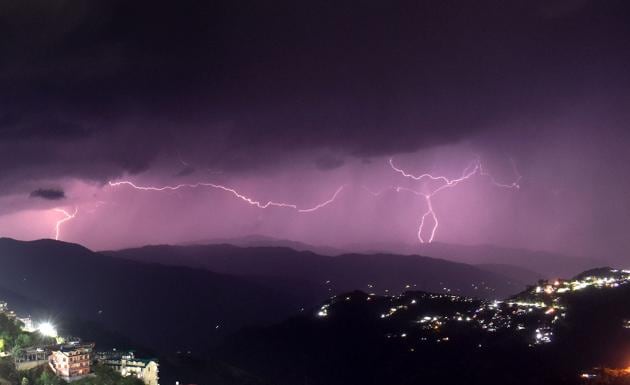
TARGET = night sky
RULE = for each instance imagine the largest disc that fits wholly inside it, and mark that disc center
(290, 101)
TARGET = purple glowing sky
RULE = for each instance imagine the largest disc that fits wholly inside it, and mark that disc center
(286, 103)
(552, 210)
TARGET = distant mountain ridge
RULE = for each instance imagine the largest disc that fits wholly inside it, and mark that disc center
(542, 263)
(380, 273)
(256, 240)
(525, 264)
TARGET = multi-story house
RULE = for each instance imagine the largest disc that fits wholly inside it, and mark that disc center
(72, 362)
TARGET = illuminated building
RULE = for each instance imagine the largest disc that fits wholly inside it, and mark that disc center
(127, 364)
(28, 324)
(4, 309)
(31, 358)
(71, 362)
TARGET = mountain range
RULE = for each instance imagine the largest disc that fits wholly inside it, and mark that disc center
(182, 302)
(380, 273)
(544, 264)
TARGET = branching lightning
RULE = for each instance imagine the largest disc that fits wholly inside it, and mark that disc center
(235, 193)
(474, 168)
(515, 184)
(429, 221)
(67, 217)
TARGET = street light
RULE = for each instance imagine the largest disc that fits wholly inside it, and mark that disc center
(47, 329)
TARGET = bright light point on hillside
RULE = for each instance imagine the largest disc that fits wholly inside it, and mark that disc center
(47, 329)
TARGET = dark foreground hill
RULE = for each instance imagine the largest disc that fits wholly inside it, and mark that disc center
(167, 309)
(549, 334)
(378, 273)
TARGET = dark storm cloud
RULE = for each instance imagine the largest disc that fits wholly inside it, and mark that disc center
(185, 171)
(94, 89)
(48, 194)
(19, 126)
(328, 163)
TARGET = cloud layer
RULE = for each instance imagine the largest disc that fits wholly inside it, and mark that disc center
(96, 89)
(290, 99)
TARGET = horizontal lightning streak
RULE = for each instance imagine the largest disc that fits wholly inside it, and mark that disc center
(234, 193)
(392, 188)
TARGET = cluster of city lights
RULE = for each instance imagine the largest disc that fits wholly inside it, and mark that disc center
(45, 328)
(533, 313)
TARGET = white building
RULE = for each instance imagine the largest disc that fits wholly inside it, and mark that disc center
(128, 365)
(28, 324)
(4, 309)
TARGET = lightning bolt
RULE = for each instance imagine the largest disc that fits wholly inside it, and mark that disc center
(67, 217)
(474, 168)
(233, 192)
(514, 185)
